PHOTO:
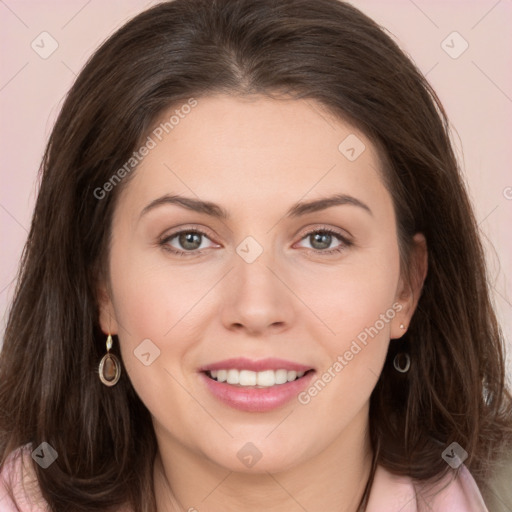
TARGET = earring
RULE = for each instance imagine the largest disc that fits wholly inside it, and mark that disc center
(402, 362)
(110, 366)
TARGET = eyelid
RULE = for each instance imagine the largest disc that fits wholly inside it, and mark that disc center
(186, 228)
(343, 233)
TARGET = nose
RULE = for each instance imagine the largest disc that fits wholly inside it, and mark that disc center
(256, 298)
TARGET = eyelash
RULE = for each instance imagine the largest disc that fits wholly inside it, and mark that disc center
(345, 242)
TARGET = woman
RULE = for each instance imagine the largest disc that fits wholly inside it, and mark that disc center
(253, 280)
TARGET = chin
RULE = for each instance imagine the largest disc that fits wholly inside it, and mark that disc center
(256, 457)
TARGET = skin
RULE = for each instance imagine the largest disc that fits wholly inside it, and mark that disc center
(256, 157)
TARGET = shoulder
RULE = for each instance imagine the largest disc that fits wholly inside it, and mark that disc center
(457, 492)
(19, 488)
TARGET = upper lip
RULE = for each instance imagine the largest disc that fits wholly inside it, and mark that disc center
(242, 363)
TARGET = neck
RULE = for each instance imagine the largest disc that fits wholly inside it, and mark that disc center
(334, 479)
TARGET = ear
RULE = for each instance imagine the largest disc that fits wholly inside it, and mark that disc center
(107, 317)
(409, 292)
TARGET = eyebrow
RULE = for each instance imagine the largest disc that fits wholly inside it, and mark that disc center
(217, 211)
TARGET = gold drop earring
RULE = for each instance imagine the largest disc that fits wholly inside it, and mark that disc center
(110, 366)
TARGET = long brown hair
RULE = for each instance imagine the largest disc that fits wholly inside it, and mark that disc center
(325, 50)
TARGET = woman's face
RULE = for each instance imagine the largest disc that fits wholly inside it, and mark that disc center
(265, 291)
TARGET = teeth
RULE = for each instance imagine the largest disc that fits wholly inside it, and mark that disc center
(266, 378)
(247, 378)
(281, 376)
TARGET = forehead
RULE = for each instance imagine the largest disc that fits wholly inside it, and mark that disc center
(256, 150)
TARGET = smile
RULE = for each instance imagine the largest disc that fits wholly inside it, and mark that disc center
(255, 386)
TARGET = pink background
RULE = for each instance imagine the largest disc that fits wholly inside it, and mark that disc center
(475, 89)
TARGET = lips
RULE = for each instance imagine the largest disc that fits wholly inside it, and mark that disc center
(269, 391)
(242, 363)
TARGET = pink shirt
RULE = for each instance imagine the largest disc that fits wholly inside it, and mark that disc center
(389, 493)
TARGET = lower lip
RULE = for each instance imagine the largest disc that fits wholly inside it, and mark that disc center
(251, 399)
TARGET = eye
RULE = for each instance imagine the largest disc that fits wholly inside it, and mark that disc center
(188, 241)
(322, 238)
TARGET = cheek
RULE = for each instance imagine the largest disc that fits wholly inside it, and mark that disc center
(161, 302)
(151, 297)
(359, 309)
(358, 304)
(352, 295)
(151, 308)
